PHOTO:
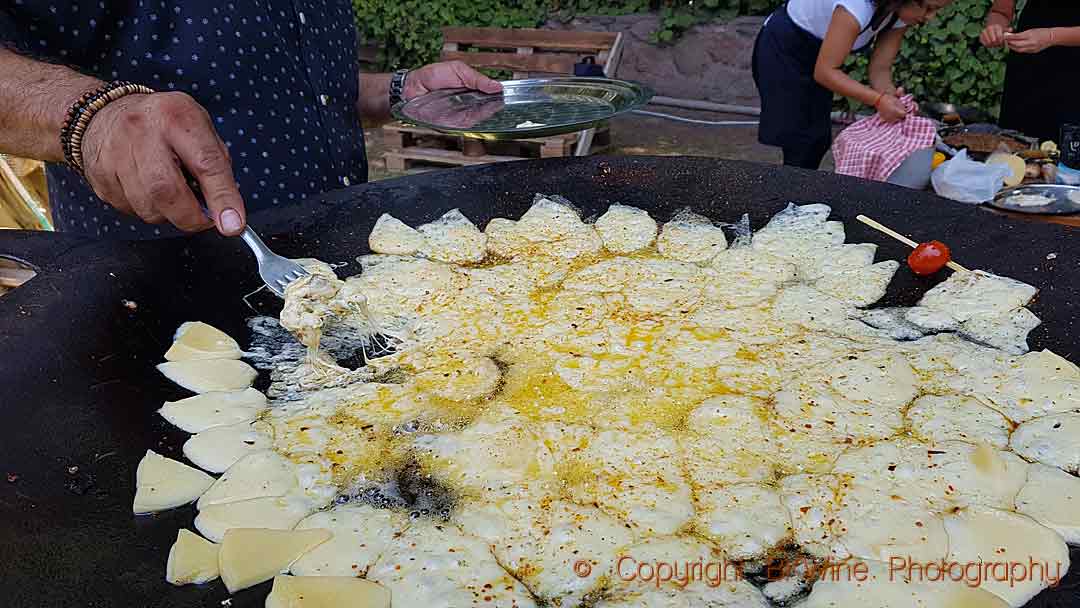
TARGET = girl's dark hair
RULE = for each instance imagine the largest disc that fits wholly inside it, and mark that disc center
(886, 9)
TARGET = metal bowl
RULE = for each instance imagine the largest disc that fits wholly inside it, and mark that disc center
(1063, 200)
(538, 107)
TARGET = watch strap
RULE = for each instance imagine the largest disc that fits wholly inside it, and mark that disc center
(397, 87)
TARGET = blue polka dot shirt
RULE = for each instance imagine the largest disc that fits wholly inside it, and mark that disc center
(278, 77)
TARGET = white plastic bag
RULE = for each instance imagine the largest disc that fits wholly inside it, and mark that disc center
(968, 181)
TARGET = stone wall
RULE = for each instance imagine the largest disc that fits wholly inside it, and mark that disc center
(708, 62)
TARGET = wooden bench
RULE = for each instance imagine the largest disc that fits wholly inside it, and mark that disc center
(525, 53)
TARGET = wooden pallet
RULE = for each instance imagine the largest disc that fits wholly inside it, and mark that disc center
(410, 148)
(526, 53)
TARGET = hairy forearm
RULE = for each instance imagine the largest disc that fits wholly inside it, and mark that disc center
(34, 100)
(1066, 36)
(374, 102)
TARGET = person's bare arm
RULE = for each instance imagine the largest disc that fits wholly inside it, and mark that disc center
(828, 71)
(882, 60)
(135, 150)
(374, 102)
(1038, 40)
(34, 100)
(998, 23)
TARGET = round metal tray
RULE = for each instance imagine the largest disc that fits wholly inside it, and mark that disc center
(1061, 203)
(525, 109)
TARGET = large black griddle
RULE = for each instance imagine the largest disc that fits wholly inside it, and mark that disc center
(78, 386)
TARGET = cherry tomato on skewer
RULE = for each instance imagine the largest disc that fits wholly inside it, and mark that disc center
(929, 258)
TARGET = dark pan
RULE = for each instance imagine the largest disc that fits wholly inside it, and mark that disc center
(78, 386)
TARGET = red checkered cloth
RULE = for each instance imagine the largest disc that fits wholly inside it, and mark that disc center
(872, 149)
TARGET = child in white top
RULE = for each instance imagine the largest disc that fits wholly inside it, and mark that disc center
(798, 61)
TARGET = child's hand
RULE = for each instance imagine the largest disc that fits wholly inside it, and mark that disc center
(891, 109)
(993, 35)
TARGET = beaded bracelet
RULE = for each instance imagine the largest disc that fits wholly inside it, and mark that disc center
(84, 110)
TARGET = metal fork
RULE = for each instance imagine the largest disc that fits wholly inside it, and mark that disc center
(276, 271)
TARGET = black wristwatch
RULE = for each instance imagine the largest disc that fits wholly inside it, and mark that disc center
(397, 87)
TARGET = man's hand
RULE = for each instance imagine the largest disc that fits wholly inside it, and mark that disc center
(136, 152)
(447, 75)
(993, 35)
(1030, 41)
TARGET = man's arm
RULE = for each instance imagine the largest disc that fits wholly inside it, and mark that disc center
(34, 100)
(374, 102)
(135, 150)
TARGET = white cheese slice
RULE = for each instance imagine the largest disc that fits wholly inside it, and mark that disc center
(195, 340)
(1052, 498)
(746, 520)
(801, 304)
(690, 237)
(162, 483)
(326, 592)
(941, 476)
(538, 540)
(626, 229)
(877, 525)
(204, 376)
(1001, 540)
(250, 556)
(1031, 386)
(434, 565)
(745, 276)
(453, 239)
(463, 377)
(635, 476)
(1007, 331)
(218, 448)
(257, 475)
(193, 560)
(393, 237)
(712, 460)
(860, 286)
(1053, 440)
(361, 534)
(939, 418)
(875, 584)
(200, 412)
(272, 513)
(811, 503)
(484, 456)
(670, 572)
(503, 238)
(931, 319)
(967, 294)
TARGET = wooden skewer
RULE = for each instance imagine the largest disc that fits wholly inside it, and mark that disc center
(903, 239)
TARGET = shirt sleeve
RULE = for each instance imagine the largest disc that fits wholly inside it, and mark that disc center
(9, 34)
(862, 10)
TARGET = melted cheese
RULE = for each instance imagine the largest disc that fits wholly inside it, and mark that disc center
(435, 565)
(1053, 440)
(392, 236)
(626, 229)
